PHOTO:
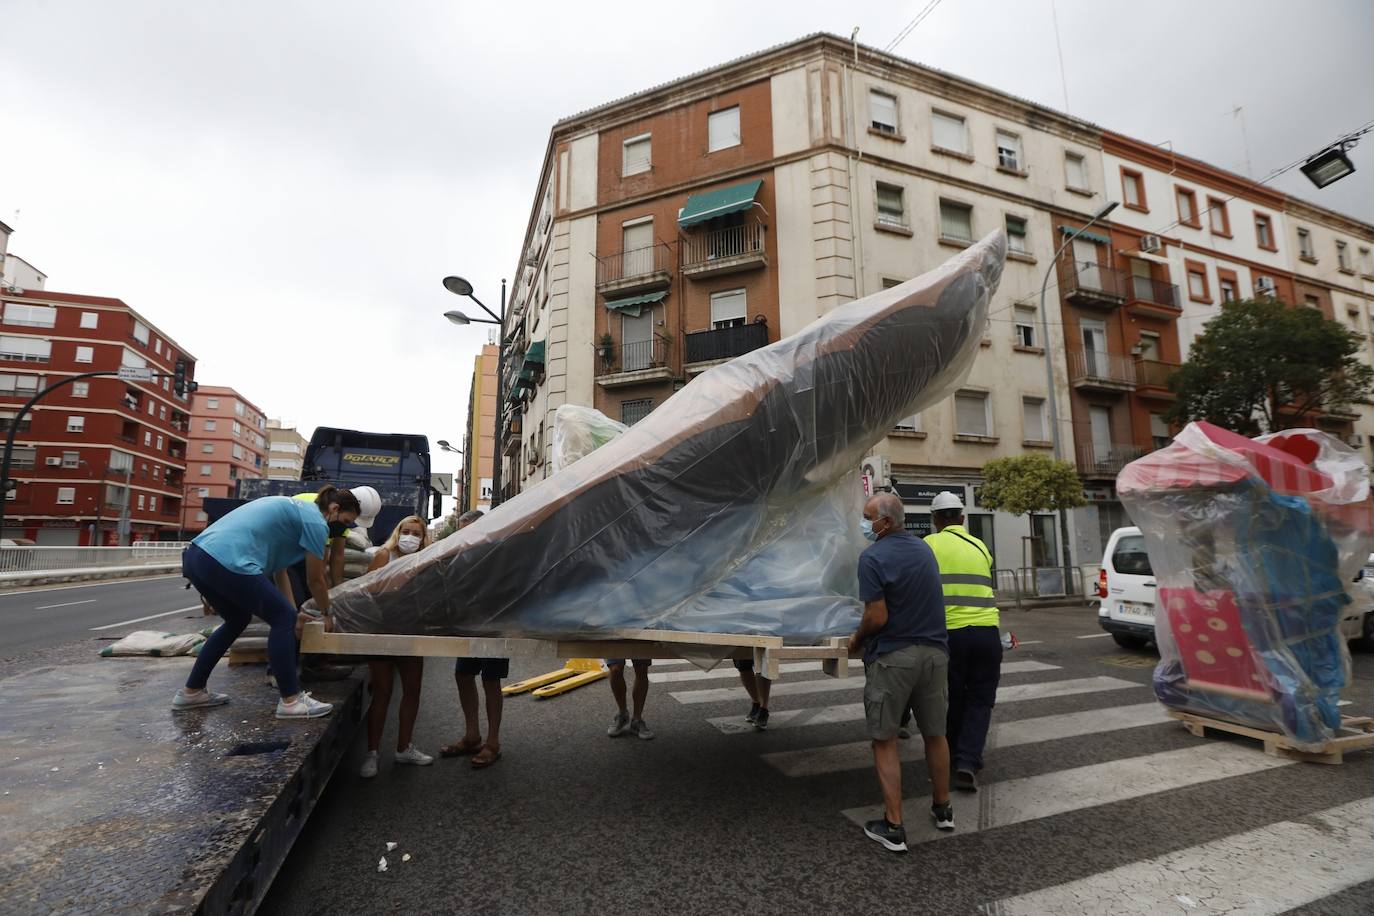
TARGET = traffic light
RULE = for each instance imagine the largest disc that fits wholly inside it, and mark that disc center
(179, 379)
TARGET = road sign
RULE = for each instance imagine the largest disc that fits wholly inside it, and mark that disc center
(135, 374)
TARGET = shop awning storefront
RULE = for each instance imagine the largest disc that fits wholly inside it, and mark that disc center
(1086, 236)
(712, 204)
(634, 305)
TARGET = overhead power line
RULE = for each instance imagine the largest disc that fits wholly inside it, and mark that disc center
(911, 26)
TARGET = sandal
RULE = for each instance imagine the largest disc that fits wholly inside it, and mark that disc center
(460, 748)
(486, 757)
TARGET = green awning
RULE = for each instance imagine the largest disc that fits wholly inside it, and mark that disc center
(1089, 236)
(535, 354)
(633, 305)
(701, 207)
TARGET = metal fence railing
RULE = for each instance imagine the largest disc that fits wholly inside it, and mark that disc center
(1028, 582)
(44, 559)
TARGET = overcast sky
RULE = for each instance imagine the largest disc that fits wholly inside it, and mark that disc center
(280, 186)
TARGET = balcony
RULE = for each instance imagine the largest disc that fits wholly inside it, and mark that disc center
(1106, 460)
(638, 270)
(638, 362)
(1089, 284)
(704, 349)
(724, 251)
(1152, 379)
(1096, 370)
(1150, 298)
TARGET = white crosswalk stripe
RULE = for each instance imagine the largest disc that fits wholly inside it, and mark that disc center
(789, 688)
(727, 670)
(1268, 870)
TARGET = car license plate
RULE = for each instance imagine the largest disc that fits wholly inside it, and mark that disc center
(1133, 611)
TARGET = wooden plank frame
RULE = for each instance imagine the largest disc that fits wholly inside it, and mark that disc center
(1355, 733)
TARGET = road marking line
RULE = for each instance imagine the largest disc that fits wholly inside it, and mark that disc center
(1268, 870)
(725, 694)
(854, 712)
(136, 580)
(1344, 702)
(1029, 642)
(67, 604)
(125, 623)
(727, 670)
(856, 755)
(1094, 636)
(1032, 798)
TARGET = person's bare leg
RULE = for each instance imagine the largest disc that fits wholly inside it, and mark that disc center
(937, 765)
(641, 691)
(467, 698)
(889, 766)
(382, 675)
(617, 680)
(412, 671)
(495, 699)
(764, 686)
(746, 678)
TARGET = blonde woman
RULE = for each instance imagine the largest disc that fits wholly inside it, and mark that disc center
(410, 536)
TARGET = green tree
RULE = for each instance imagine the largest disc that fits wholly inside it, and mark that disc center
(1033, 483)
(1262, 366)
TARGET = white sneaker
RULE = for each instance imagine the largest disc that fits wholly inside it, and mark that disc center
(414, 756)
(305, 707)
(369, 767)
(183, 700)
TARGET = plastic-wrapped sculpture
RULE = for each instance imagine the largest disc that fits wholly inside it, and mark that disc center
(578, 431)
(1254, 544)
(731, 508)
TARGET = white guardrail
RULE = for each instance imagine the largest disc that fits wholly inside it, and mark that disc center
(45, 559)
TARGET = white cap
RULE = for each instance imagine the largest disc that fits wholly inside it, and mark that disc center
(946, 500)
(369, 502)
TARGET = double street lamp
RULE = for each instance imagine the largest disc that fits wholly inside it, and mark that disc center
(460, 287)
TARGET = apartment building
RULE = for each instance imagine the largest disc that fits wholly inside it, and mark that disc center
(228, 444)
(285, 451)
(479, 433)
(100, 460)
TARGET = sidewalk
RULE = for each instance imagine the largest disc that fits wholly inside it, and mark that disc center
(85, 574)
(113, 803)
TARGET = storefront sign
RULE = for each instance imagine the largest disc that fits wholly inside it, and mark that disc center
(922, 493)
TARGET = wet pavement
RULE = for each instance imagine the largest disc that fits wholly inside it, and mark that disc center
(113, 803)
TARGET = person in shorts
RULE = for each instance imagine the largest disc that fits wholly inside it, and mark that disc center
(757, 686)
(906, 661)
(625, 723)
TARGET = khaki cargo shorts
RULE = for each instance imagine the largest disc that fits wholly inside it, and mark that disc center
(912, 676)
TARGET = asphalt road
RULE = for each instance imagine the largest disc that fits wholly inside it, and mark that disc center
(1090, 797)
(37, 618)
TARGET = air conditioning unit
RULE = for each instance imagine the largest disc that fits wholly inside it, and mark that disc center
(878, 470)
(53, 462)
(1150, 244)
(1265, 286)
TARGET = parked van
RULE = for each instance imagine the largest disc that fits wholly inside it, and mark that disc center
(1126, 586)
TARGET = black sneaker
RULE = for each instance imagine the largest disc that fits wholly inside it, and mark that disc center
(892, 836)
(761, 720)
(943, 815)
(753, 714)
(965, 781)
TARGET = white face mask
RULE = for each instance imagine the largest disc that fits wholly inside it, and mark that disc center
(408, 543)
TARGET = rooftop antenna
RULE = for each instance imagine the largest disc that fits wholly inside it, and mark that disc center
(1238, 113)
(1059, 46)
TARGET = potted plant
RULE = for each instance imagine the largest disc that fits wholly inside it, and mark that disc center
(606, 349)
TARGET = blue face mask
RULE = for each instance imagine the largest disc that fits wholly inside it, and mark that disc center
(866, 526)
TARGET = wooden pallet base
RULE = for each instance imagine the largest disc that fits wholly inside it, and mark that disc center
(1355, 733)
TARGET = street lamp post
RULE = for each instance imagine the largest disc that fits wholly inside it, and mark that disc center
(458, 497)
(1065, 552)
(460, 287)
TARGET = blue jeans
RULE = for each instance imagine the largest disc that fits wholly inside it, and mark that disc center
(237, 598)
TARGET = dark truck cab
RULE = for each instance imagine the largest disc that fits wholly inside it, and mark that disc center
(396, 465)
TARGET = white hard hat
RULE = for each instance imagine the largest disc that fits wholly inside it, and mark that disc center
(369, 502)
(946, 500)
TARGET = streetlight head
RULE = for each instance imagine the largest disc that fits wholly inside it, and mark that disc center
(1328, 166)
(457, 317)
(443, 443)
(458, 286)
(1110, 206)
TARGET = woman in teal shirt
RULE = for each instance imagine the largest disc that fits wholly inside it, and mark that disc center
(239, 565)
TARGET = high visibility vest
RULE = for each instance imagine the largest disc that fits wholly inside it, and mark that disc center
(966, 578)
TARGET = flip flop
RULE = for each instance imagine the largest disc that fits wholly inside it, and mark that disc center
(485, 757)
(460, 748)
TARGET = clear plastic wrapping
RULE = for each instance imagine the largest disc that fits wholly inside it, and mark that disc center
(733, 507)
(578, 431)
(1255, 545)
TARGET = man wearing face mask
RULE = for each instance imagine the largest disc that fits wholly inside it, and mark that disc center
(906, 661)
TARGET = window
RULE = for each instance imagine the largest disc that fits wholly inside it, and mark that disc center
(891, 205)
(635, 155)
(208, 448)
(1133, 189)
(85, 354)
(1343, 257)
(1159, 431)
(1228, 284)
(23, 456)
(210, 426)
(121, 462)
(722, 129)
(28, 349)
(948, 132)
(152, 408)
(728, 309)
(1366, 262)
(889, 282)
(1008, 151)
(152, 503)
(81, 389)
(76, 424)
(1218, 218)
(157, 472)
(32, 316)
(911, 424)
(21, 385)
(141, 333)
(882, 112)
(90, 320)
(238, 408)
(1312, 302)
(203, 491)
(147, 437)
(162, 412)
(159, 443)
(1265, 286)
(238, 451)
(66, 496)
(7, 419)
(631, 412)
(971, 414)
(212, 403)
(132, 360)
(1033, 419)
(157, 346)
(1305, 250)
(1075, 172)
(1187, 207)
(205, 470)
(1149, 346)
(201, 517)
(1264, 232)
(71, 459)
(956, 221)
(141, 498)
(1025, 326)
(1198, 290)
(1016, 235)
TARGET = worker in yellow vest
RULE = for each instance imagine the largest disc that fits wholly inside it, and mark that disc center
(975, 639)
